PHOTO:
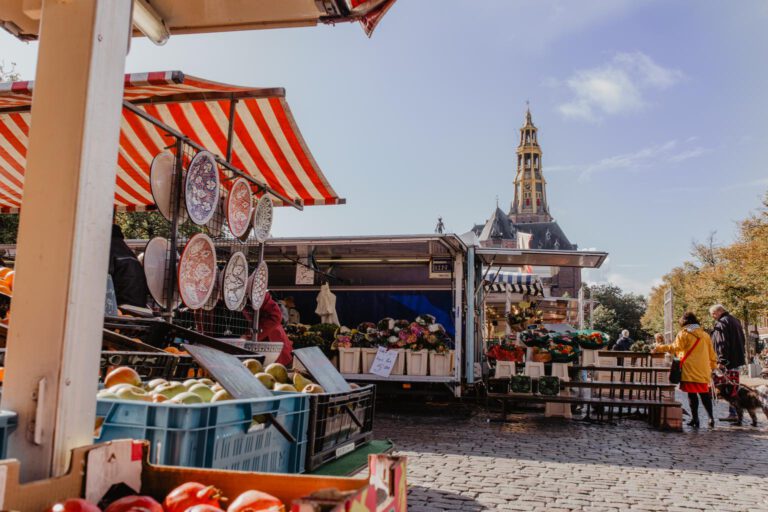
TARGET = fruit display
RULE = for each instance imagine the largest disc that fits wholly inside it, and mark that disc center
(124, 383)
(188, 497)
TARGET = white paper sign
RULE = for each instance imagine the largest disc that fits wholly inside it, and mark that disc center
(304, 274)
(384, 362)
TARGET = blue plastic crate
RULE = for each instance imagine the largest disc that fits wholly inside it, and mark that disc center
(219, 435)
(8, 422)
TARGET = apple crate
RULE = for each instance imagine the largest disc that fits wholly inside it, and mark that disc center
(263, 434)
(338, 424)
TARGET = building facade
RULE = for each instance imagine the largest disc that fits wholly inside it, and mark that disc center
(529, 224)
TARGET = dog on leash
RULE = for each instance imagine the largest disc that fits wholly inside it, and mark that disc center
(743, 398)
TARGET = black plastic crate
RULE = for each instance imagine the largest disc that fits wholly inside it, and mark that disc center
(149, 365)
(498, 385)
(338, 424)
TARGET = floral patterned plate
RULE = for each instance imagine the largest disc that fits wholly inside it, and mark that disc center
(239, 206)
(155, 262)
(259, 287)
(201, 189)
(197, 271)
(235, 281)
(262, 218)
(216, 225)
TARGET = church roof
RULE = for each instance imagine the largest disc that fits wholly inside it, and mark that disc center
(546, 235)
(497, 227)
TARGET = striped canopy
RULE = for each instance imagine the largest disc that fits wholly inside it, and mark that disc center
(501, 281)
(266, 143)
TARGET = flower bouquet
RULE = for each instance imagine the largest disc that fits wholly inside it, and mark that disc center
(592, 340)
(541, 355)
(562, 353)
(349, 354)
(534, 338)
(506, 349)
(564, 338)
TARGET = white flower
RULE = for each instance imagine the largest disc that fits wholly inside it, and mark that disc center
(392, 339)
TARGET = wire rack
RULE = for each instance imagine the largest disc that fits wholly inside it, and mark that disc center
(213, 318)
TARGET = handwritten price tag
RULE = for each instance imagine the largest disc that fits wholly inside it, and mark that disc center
(384, 362)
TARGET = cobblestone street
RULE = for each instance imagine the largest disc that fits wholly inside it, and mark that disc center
(533, 463)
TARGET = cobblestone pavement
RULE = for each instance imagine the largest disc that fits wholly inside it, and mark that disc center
(533, 463)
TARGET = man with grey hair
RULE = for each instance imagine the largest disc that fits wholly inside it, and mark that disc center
(728, 338)
(624, 343)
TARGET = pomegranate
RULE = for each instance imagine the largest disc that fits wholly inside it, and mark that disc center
(74, 505)
(189, 494)
(256, 501)
(134, 504)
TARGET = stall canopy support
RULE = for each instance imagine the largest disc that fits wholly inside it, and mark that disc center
(54, 343)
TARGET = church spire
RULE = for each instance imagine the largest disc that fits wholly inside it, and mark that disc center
(530, 203)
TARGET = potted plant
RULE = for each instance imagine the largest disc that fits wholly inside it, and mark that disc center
(349, 355)
(592, 340)
(562, 353)
(367, 339)
(416, 353)
(440, 353)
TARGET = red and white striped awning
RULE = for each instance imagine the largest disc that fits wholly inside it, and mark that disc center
(266, 143)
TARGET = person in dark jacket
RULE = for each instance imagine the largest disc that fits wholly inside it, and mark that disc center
(728, 338)
(624, 342)
(126, 271)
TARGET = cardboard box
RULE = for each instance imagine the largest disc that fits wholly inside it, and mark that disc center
(111, 469)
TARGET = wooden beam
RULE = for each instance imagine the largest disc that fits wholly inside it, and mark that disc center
(54, 343)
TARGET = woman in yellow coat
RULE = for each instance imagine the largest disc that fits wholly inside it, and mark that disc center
(697, 367)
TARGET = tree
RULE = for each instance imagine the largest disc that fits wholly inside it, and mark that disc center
(604, 319)
(627, 308)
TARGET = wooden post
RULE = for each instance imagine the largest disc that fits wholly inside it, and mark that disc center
(55, 340)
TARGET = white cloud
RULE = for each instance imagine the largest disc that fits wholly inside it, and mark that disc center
(656, 155)
(617, 87)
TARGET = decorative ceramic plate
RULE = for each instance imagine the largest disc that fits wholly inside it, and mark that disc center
(217, 222)
(155, 263)
(262, 219)
(259, 288)
(216, 295)
(161, 181)
(197, 271)
(239, 206)
(235, 281)
(201, 189)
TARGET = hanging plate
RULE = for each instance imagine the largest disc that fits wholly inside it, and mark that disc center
(235, 281)
(239, 206)
(201, 189)
(155, 262)
(262, 218)
(260, 283)
(161, 181)
(197, 271)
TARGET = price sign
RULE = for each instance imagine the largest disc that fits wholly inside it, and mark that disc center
(384, 362)
(440, 268)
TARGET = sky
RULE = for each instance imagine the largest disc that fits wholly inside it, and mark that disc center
(651, 116)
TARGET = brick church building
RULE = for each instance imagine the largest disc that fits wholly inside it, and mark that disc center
(528, 224)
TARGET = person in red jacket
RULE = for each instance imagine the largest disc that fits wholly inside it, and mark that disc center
(271, 328)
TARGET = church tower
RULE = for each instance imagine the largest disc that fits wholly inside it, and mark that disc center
(530, 203)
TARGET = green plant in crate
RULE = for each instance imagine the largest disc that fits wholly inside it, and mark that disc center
(520, 384)
(549, 386)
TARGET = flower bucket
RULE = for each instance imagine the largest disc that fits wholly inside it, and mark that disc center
(504, 369)
(399, 367)
(440, 363)
(349, 360)
(368, 355)
(417, 361)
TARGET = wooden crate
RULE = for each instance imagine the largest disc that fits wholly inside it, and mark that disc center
(98, 470)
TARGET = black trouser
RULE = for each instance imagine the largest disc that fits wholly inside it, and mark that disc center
(706, 399)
